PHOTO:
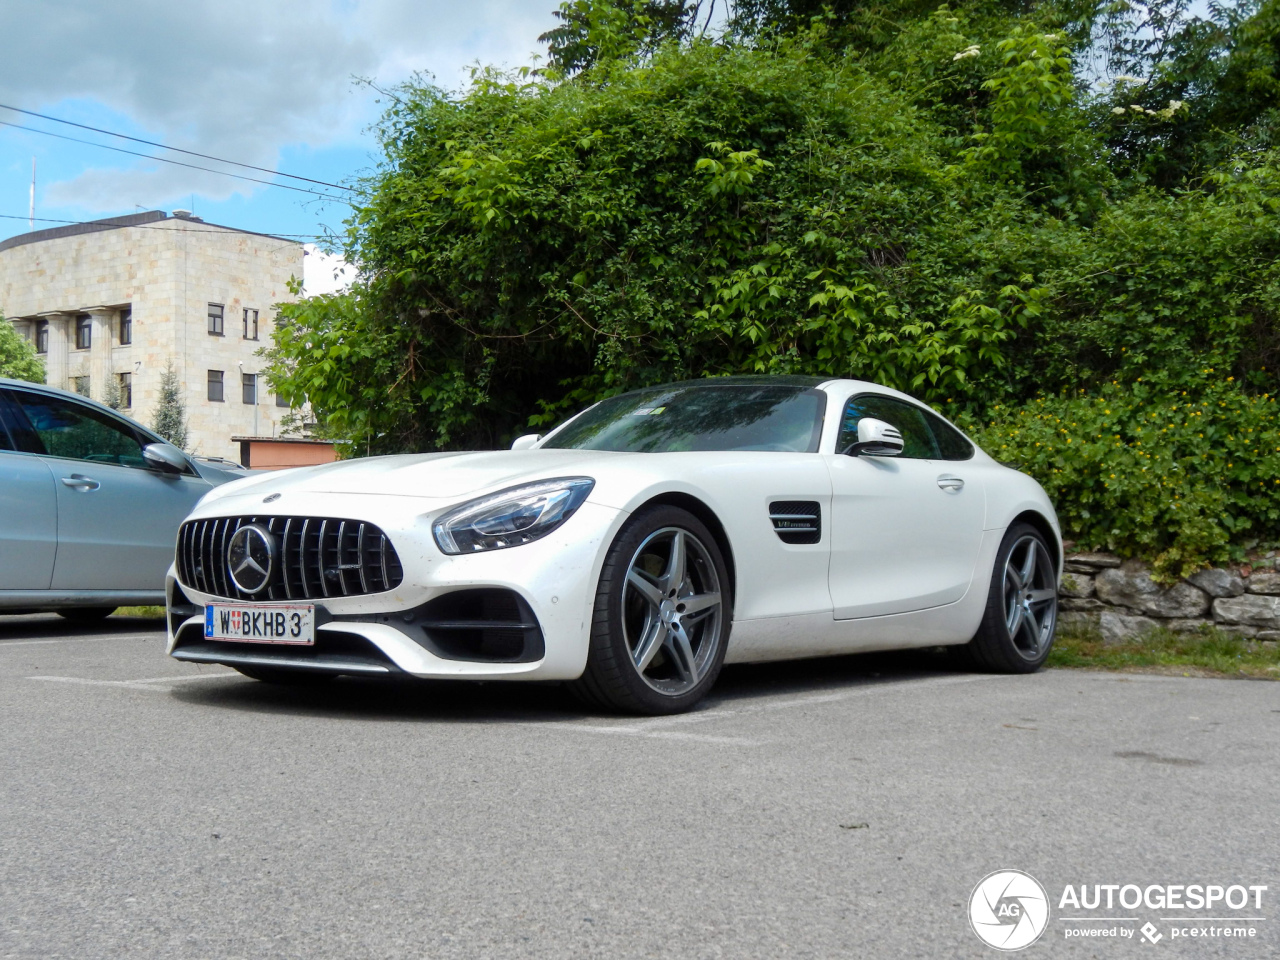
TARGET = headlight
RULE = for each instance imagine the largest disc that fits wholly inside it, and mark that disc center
(511, 517)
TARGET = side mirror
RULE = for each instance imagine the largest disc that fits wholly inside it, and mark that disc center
(165, 457)
(525, 442)
(875, 439)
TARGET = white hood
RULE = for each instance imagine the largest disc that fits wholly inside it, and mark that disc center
(430, 475)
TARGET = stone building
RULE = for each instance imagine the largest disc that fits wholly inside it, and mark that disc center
(119, 299)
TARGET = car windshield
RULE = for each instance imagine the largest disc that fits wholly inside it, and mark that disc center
(709, 416)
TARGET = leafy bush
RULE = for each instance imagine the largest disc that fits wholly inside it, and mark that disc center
(1182, 476)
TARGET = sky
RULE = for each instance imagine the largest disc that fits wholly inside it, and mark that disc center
(272, 83)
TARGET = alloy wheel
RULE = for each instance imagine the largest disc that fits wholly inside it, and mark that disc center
(1030, 597)
(672, 611)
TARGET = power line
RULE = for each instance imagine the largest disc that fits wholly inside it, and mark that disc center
(108, 225)
(179, 163)
(162, 146)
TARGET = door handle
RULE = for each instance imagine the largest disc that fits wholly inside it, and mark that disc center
(950, 483)
(83, 484)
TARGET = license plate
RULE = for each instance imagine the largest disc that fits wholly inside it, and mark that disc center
(259, 623)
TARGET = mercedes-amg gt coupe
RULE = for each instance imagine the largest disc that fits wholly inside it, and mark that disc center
(632, 551)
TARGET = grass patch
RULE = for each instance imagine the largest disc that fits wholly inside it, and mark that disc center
(149, 612)
(1209, 652)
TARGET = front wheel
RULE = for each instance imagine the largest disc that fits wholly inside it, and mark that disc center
(662, 616)
(1018, 626)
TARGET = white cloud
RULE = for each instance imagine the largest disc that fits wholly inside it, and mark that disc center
(324, 272)
(241, 78)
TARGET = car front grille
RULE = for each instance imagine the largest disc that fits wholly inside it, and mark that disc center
(316, 557)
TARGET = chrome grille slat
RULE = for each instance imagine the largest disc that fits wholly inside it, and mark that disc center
(302, 558)
(284, 558)
(191, 552)
(356, 556)
(324, 586)
(214, 566)
(342, 567)
(364, 581)
(206, 560)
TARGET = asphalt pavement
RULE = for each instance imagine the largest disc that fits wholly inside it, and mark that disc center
(830, 808)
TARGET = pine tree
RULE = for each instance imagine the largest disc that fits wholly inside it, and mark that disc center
(111, 394)
(170, 420)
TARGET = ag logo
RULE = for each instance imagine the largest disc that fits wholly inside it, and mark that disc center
(250, 557)
(1008, 910)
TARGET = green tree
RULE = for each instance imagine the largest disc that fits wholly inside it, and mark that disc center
(170, 417)
(18, 357)
(951, 206)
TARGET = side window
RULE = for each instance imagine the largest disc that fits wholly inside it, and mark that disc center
(68, 429)
(951, 442)
(6, 442)
(917, 438)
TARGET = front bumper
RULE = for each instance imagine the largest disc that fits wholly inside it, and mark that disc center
(407, 630)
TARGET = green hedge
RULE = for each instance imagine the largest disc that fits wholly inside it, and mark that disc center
(1183, 476)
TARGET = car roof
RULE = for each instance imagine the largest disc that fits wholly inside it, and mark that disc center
(9, 383)
(782, 379)
(759, 379)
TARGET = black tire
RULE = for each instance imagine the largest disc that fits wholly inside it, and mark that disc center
(1024, 650)
(86, 614)
(686, 647)
(286, 677)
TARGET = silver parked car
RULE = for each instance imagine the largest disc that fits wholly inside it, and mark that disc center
(90, 504)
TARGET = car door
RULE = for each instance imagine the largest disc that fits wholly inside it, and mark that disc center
(28, 514)
(118, 516)
(905, 530)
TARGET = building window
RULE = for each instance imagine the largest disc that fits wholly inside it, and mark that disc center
(249, 387)
(126, 389)
(84, 332)
(126, 326)
(215, 385)
(251, 324)
(42, 336)
(80, 385)
(282, 402)
(215, 319)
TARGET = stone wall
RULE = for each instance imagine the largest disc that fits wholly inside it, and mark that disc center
(1119, 599)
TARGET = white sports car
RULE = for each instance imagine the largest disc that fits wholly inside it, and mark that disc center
(632, 551)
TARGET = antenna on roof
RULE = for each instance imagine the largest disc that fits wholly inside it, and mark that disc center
(31, 210)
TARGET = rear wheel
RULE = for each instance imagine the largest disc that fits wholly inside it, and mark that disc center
(285, 677)
(662, 616)
(86, 614)
(1022, 605)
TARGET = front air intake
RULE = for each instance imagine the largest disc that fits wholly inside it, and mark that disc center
(796, 521)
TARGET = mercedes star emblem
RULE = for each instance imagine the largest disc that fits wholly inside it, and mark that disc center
(251, 555)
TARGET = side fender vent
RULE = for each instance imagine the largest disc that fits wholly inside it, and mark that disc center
(796, 521)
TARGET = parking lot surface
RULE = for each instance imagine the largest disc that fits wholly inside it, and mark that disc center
(830, 808)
